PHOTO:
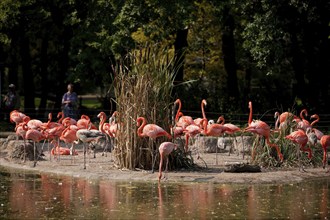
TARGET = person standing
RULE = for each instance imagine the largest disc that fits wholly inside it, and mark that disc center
(11, 101)
(70, 103)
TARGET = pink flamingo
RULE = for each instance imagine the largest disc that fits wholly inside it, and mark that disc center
(190, 132)
(53, 130)
(70, 120)
(34, 123)
(165, 149)
(16, 117)
(36, 136)
(152, 131)
(230, 129)
(57, 149)
(262, 129)
(177, 131)
(60, 117)
(215, 130)
(114, 127)
(300, 137)
(69, 136)
(88, 136)
(303, 123)
(325, 142)
(283, 120)
(317, 132)
(85, 122)
(198, 121)
(105, 128)
(183, 121)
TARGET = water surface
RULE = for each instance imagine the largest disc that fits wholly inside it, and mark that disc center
(41, 196)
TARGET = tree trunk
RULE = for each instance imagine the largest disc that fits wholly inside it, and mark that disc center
(298, 69)
(180, 45)
(229, 55)
(44, 74)
(29, 88)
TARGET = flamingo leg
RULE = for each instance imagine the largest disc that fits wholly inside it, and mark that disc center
(166, 168)
(24, 156)
(230, 148)
(216, 152)
(49, 150)
(84, 149)
(34, 154)
(243, 147)
(151, 148)
(58, 151)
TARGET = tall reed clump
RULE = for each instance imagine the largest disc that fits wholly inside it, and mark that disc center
(293, 155)
(143, 86)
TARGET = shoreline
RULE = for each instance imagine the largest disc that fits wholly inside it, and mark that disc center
(106, 171)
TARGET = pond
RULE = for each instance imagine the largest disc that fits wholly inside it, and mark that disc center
(25, 195)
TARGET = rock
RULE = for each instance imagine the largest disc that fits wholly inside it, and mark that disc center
(237, 144)
(242, 168)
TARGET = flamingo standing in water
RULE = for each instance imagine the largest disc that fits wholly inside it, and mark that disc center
(165, 149)
(261, 128)
(152, 131)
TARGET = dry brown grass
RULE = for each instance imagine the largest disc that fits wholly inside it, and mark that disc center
(143, 87)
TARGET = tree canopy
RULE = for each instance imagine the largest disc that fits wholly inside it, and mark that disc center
(274, 53)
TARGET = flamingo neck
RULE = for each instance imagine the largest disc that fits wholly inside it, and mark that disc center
(139, 131)
(101, 128)
(61, 116)
(250, 115)
(316, 120)
(204, 122)
(221, 120)
(50, 117)
(304, 111)
(202, 106)
(178, 101)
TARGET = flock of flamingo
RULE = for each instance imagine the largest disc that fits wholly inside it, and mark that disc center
(72, 131)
